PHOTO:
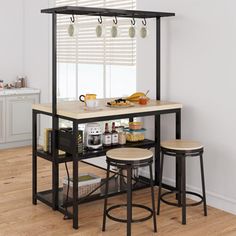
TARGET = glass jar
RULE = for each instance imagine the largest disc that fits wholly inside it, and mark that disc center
(122, 138)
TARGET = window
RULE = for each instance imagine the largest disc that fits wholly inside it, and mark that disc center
(87, 64)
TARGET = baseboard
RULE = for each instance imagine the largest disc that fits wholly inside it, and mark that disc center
(213, 199)
(15, 144)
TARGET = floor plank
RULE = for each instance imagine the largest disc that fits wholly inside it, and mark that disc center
(18, 217)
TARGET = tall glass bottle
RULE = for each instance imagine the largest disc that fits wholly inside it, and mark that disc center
(106, 136)
(114, 135)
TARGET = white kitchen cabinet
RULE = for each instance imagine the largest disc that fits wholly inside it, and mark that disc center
(19, 117)
(2, 119)
(16, 116)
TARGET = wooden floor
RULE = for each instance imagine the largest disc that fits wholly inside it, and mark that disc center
(19, 217)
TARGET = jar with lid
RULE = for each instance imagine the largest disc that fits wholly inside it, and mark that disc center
(122, 137)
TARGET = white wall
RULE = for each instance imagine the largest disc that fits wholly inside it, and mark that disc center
(37, 46)
(11, 41)
(198, 70)
(37, 51)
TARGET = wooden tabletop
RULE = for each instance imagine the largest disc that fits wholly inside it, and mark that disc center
(77, 109)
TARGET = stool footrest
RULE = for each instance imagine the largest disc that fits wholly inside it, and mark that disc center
(133, 220)
(177, 192)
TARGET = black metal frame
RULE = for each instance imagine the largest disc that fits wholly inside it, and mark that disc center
(52, 197)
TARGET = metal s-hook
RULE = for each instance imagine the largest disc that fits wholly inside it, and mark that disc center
(100, 20)
(144, 21)
(133, 21)
(115, 21)
(72, 19)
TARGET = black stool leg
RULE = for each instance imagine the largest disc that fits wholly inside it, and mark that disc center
(153, 199)
(183, 188)
(178, 179)
(203, 186)
(160, 184)
(105, 199)
(129, 199)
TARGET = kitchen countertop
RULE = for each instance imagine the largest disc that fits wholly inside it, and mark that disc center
(19, 91)
(77, 110)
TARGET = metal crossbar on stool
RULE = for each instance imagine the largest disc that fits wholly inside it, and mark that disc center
(129, 159)
(182, 149)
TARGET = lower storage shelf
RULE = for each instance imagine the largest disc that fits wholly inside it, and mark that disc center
(114, 189)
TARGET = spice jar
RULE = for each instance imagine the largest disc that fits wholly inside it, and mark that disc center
(122, 137)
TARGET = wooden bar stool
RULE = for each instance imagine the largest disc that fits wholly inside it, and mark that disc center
(182, 149)
(129, 159)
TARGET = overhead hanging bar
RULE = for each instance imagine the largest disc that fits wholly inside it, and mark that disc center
(73, 10)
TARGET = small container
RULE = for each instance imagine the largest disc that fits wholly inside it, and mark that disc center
(135, 136)
(135, 125)
(122, 138)
(87, 183)
(143, 100)
(1, 85)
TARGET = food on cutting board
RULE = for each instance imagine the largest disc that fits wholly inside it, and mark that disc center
(119, 103)
(136, 96)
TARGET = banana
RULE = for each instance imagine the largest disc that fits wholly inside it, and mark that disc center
(135, 97)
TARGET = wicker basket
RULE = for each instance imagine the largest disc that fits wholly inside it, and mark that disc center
(87, 183)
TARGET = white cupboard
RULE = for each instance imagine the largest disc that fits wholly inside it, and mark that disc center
(2, 120)
(19, 117)
(16, 118)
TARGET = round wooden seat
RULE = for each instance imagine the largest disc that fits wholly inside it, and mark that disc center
(129, 154)
(181, 145)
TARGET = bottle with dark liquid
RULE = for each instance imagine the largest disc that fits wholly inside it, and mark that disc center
(114, 135)
(106, 136)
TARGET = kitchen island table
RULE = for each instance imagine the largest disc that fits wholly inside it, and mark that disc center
(76, 112)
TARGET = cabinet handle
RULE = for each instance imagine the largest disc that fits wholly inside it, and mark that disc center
(21, 97)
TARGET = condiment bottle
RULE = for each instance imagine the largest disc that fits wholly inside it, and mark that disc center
(114, 135)
(106, 136)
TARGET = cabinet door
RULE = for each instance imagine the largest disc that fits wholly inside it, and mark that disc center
(2, 119)
(19, 117)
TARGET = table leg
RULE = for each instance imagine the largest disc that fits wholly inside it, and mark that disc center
(55, 165)
(55, 184)
(34, 157)
(75, 176)
(157, 147)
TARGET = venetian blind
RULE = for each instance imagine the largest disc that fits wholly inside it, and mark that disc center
(85, 46)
